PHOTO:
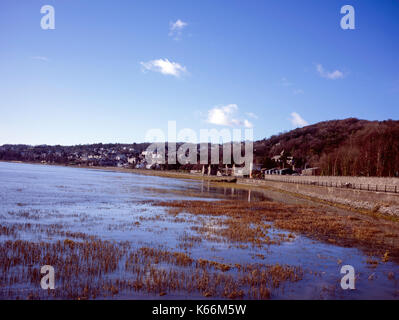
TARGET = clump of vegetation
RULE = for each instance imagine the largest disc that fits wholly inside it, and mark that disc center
(248, 223)
(94, 269)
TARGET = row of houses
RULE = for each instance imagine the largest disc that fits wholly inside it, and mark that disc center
(237, 171)
(226, 171)
(127, 156)
(279, 171)
(89, 155)
(288, 171)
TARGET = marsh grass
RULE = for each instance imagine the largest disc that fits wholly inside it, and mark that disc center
(93, 269)
(88, 267)
(248, 222)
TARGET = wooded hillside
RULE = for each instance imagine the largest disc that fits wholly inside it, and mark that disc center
(339, 147)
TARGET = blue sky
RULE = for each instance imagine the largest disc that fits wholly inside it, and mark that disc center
(111, 70)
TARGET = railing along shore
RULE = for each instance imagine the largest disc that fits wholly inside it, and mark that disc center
(330, 184)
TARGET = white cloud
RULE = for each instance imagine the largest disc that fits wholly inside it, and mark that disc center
(178, 25)
(248, 124)
(41, 58)
(297, 120)
(176, 29)
(334, 75)
(164, 66)
(224, 116)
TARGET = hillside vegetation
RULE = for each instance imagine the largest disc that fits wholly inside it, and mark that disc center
(349, 147)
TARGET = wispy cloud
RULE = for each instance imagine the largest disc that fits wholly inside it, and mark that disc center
(252, 115)
(176, 29)
(41, 58)
(285, 83)
(225, 116)
(333, 75)
(297, 120)
(164, 66)
(298, 91)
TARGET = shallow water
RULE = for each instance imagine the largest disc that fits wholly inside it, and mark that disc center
(114, 206)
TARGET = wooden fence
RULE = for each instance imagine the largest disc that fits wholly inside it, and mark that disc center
(331, 184)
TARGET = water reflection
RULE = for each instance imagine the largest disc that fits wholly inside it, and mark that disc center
(44, 202)
(207, 188)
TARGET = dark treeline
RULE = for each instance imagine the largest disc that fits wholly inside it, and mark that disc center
(349, 147)
(371, 151)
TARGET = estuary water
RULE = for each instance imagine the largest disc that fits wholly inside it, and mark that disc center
(45, 204)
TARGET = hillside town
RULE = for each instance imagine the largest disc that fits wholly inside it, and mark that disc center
(326, 148)
(109, 155)
(135, 156)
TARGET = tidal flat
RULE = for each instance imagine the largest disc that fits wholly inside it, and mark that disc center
(116, 235)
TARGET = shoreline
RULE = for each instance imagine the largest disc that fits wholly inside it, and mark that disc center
(240, 183)
(188, 236)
